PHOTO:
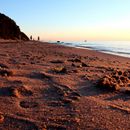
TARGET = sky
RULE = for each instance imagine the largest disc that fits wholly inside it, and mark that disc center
(71, 20)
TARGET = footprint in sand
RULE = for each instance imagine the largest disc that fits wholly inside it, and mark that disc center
(28, 104)
(7, 91)
(56, 104)
(60, 95)
(17, 87)
(15, 91)
(40, 75)
(11, 123)
(22, 90)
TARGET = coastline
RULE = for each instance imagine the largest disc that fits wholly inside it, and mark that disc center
(109, 47)
(90, 49)
(52, 86)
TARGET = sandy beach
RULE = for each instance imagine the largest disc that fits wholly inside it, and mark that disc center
(46, 86)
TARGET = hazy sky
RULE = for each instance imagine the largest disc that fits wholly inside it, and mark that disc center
(74, 20)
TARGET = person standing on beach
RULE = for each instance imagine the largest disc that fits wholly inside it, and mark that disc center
(38, 38)
(31, 37)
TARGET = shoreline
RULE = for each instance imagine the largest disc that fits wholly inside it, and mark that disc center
(122, 54)
(50, 86)
(89, 49)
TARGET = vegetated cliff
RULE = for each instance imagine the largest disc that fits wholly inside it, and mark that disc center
(9, 29)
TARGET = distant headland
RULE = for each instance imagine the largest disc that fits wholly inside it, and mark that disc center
(10, 30)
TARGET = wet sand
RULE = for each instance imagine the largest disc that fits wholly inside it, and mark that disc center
(48, 86)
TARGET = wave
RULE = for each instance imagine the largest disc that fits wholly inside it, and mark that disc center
(121, 48)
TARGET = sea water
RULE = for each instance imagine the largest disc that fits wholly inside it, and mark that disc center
(121, 48)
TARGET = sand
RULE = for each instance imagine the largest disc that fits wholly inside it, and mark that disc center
(48, 86)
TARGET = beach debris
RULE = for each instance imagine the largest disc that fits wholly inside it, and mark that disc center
(115, 81)
(61, 69)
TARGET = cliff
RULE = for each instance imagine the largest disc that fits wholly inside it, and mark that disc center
(10, 30)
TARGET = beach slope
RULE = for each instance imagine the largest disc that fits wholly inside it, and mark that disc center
(48, 86)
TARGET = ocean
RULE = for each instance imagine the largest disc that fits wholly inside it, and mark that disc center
(121, 48)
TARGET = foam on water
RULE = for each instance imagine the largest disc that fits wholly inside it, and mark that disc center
(121, 48)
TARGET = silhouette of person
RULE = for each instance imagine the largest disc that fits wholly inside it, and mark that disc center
(38, 38)
(31, 37)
